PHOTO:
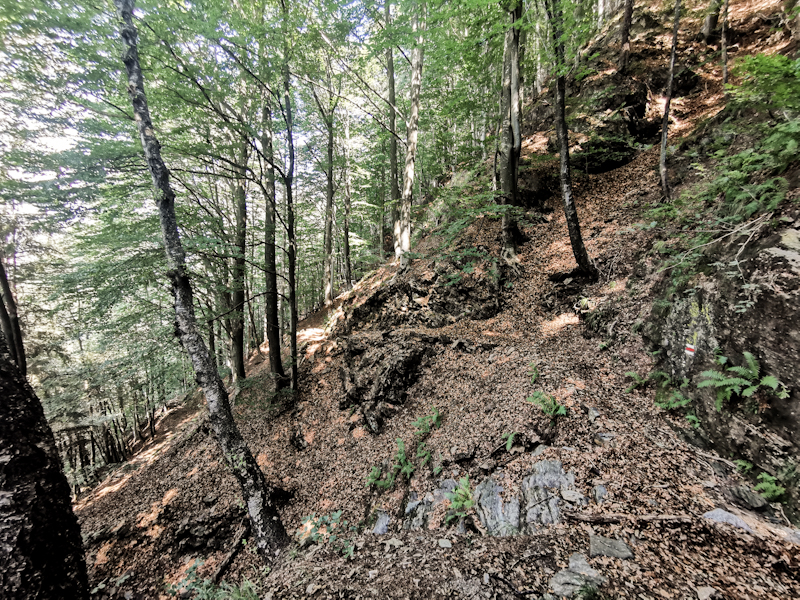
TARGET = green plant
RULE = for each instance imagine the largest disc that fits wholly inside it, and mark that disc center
(637, 381)
(740, 381)
(460, 500)
(674, 401)
(205, 589)
(423, 453)
(769, 487)
(743, 466)
(403, 465)
(549, 405)
(533, 371)
(426, 423)
(509, 438)
(323, 529)
(693, 420)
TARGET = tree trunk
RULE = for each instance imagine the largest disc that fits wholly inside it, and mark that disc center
(570, 211)
(394, 186)
(711, 21)
(624, 37)
(288, 179)
(411, 133)
(724, 43)
(273, 332)
(10, 321)
(662, 163)
(348, 269)
(42, 554)
(329, 191)
(239, 268)
(267, 528)
(510, 137)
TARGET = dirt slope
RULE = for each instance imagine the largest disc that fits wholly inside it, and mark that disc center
(145, 526)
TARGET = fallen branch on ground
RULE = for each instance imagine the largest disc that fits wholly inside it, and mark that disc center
(619, 518)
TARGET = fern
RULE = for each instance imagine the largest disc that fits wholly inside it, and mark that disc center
(743, 382)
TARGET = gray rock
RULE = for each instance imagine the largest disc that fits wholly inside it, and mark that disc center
(577, 575)
(443, 543)
(593, 414)
(599, 492)
(539, 450)
(603, 546)
(721, 516)
(706, 593)
(498, 517)
(602, 438)
(417, 511)
(748, 498)
(542, 493)
(382, 524)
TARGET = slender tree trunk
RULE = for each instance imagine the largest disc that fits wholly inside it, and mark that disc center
(412, 132)
(266, 525)
(662, 163)
(348, 269)
(625, 37)
(239, 270)
(510, 136)
(291, 241)
(724, 43)
(10, 321)
(329, 191)
(394, 186)
(570, 211)
(273, 332)
(42, 554)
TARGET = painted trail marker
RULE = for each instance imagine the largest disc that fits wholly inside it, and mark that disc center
(690, 350)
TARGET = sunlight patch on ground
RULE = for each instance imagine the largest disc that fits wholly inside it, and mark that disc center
(102, 554)
(169, 496)
(146, 519)
(552, 327)
(107, 489)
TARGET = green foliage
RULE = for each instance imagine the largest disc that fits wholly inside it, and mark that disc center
(460, 500)
(637, 381)
(674, 401)
(509, 438)
(403, 465)
(205, 589)
(549, 405)
(323, 529)
(426, 423)
(693, 420)
(768, 82)
(533, 371)
(743, 466)
(740, 381)
(423, 453)
(769, 487)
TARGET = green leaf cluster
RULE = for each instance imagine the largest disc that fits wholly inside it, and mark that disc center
(461, 500)
(740, 381)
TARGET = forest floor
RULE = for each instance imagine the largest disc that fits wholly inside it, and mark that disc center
(174, 511)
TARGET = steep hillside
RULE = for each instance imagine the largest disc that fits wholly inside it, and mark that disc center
(455, 367)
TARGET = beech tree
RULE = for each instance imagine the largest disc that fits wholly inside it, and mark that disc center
(510, 132)
(662, 162)
(267, 528)
(412, 130)
(42, 554)
(554, 16)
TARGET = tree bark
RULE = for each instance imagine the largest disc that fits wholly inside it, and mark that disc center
(570, 211)
(288, 180)
(268, 530)
(238, 271)
(625, 37)
(394, 178)
(724, 43)
(662, 163)
(271, 315)
(411, 134)
(348, 269)
(711, 21)
(9, 319)
(42, 553)
(510, 136)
